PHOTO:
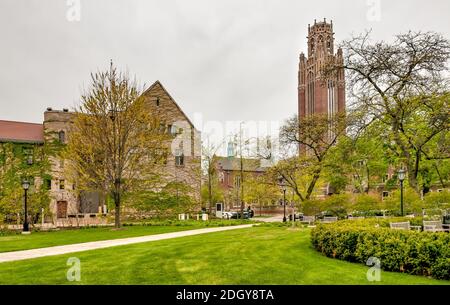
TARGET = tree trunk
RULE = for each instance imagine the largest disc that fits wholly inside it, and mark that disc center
(117, 207)
(260, 207)
(368, 179)
(312, 185)
(209, 192)
(413, 165)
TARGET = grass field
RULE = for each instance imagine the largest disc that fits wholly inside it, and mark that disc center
(259, 255)
(64, 237)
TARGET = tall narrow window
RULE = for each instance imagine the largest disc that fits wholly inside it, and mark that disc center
(157, 101)
(237, 181)
(179, 157)
(62, 184)
(310, 103)
(62, 136)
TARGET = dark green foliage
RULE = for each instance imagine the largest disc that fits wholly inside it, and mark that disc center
(14, 167)
(420, 253)
(174, 198)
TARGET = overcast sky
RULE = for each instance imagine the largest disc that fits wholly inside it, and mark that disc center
(229, 60)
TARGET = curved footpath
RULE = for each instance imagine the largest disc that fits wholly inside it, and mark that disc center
(57, 250)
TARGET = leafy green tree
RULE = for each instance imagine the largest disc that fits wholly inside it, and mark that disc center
(314, 136)
(404, 85)
(261, 191)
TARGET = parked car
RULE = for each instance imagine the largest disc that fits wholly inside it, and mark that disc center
(227, 215)
(235, 215)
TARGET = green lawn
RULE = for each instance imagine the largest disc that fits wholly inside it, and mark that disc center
(259, 255)
(64, 237)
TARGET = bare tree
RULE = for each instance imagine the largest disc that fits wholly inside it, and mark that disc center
(314, 135)
(209, 151)
(115, 143)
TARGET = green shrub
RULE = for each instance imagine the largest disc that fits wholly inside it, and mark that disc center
(420, 253)
(366, 204)
(412, 204)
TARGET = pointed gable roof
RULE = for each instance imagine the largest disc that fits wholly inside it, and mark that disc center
(171, 98)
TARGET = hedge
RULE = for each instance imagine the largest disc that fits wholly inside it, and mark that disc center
(413, 252)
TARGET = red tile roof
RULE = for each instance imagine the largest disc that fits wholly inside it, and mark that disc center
(21, 132)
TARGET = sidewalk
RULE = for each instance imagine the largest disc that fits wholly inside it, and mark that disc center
(58, 250)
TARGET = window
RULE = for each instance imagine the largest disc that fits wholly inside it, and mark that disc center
(221, 177)
(179, 160)
(27, 151)
(385, 178)
(61, 163)
(172, 130)
(30, 159)
(237, 181)
(440, 190)
(62, 136)
(385, 194)
(157, 101)
(179, 157)
(61, 184)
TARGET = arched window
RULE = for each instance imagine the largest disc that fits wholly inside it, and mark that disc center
(62, 136)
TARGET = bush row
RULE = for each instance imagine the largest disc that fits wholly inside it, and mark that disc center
(342, 205)
(419, 253)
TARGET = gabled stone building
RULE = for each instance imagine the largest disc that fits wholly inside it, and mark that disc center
(183, 152)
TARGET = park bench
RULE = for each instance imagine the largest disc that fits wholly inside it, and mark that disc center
(403, 226)
(308, 219)
(329, 219)
(435, 226)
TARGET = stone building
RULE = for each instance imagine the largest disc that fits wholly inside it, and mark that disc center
(182, 165)
(316, 95)
(184, 157)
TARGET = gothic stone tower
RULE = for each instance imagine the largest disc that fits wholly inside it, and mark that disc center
(314, 94)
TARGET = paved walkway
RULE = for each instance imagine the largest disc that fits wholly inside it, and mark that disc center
(277, 218)
(57, 250)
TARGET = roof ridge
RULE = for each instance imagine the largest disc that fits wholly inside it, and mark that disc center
(21, 122)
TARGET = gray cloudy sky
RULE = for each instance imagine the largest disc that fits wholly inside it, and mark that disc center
(230, 59)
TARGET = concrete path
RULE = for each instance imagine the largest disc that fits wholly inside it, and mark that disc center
(57, 250)
(278, 218)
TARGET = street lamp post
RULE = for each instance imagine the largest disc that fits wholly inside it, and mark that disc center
(283, 187)
(284, 202)
(401, 176)
(25, 186)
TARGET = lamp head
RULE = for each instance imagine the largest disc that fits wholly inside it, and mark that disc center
(25, 184)
(401, 174)
(282, 183)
